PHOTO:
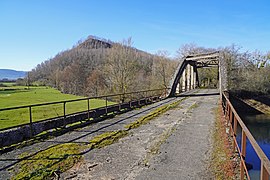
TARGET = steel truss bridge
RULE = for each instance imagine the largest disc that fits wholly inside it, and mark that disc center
(186, 76)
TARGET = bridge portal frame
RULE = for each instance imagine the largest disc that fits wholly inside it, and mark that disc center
(186, 75)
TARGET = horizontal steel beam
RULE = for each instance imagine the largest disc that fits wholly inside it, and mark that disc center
(202, 56)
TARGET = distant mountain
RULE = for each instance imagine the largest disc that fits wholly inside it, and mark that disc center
(11, 74)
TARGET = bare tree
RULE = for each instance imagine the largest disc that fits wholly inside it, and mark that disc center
(164, 68)
(191, 49)
(121, 67)
(247, 71)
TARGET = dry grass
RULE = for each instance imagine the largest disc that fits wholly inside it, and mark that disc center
(224, 163)
(258, 105)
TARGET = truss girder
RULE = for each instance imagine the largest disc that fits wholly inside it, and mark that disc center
(186, 75)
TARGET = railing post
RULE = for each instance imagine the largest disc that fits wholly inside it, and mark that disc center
(229, 115)
(64, 111)
(230, 122)
(139, 101)
(243, 154)
(119, 105)
(226, 109)
(31, 120)
(234, 132)
(88, 109)
(106, 105)
(264, 173)
(145, 97)
(131, 99)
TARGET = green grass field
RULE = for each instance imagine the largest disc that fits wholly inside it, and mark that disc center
(13, 96)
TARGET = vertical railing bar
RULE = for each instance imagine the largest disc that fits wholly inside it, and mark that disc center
(138, 99)
(119, 104)
(145, 97)
(106, 105)
(131, 99)
(243, 154)
(88, 109)
(64, 109)
(229, 115)
(231, 122)
(234, 131)
(226, 110)
(264, 173)
(31, 121)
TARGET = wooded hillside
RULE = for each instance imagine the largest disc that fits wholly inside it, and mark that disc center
(247, 71)
(97, 66)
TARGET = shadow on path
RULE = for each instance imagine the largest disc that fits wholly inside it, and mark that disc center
(99, 129)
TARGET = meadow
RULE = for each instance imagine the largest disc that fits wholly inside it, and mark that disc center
(14, 96)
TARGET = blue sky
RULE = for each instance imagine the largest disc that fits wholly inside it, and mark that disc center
(32, 31)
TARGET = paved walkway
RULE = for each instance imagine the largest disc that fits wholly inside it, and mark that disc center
(174, 145)
(186, 153)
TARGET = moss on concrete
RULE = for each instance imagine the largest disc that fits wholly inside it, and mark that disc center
(145, 119)
(45, 164)
(56, 159)
(107, 138)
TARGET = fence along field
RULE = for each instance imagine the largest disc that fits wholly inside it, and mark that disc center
(14, 96)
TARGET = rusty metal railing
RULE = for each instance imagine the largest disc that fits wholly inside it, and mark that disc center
(234, 121)
(116, 98)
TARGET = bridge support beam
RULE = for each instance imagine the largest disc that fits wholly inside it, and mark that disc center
(191, 77)
(178, 88)
(184, 81)
(197, 77)
(188, 77)
(194, 78)
(219, 80)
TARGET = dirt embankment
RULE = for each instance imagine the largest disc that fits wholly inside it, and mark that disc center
(258, 105)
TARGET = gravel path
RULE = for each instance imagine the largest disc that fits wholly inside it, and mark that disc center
(174, 145)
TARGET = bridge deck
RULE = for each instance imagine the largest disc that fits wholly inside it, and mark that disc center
(186, 153)
(174, 145)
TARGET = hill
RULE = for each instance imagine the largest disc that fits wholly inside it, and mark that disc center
(98, 66)
(11, 74)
